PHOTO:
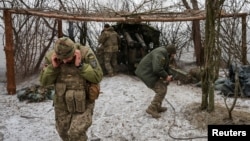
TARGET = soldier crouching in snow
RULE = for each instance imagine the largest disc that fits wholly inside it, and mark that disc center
(76, 73)
(153, 70)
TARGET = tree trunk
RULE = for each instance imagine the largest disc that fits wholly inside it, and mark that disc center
(211, 65)
(199, 51)
(198, 48)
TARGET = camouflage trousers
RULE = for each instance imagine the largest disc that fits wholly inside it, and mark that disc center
(160, 90)
(73, 126)
(110, 61)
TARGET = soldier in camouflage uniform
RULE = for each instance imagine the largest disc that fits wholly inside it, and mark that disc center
(153, 70)
(72, 67)
(109, 40)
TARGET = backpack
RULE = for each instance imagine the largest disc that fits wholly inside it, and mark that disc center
(36, 93)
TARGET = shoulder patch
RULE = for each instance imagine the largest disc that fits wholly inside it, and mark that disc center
(92, 60)
(163, 61)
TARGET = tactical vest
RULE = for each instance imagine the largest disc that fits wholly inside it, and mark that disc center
(70, 93)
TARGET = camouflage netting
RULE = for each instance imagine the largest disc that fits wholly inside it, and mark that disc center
(36, 93)
(228, 86)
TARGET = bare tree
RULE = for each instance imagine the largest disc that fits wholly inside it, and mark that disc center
(212, 54)
(32, 38)
(196, 34)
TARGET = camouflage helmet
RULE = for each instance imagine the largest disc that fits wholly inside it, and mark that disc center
(171, 49)
(64, 48)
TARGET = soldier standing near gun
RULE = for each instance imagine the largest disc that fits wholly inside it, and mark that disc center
(153, 70)
(109, 41)
(75, 73)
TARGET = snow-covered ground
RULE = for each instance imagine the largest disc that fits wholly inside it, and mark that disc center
(119, 114)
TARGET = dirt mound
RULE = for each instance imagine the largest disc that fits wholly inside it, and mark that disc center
(219, 116)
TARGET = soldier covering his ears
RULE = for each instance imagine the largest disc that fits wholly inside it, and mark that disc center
(75, 72)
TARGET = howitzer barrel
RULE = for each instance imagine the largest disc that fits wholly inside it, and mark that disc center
(129, 39)
(141, 41)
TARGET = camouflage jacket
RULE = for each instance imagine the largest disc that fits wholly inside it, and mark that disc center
(109, 40)
(90, 69)
(153, 66)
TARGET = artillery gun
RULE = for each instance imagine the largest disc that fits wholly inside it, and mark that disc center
(137, 40)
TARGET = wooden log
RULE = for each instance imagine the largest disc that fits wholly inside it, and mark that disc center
(9, 52)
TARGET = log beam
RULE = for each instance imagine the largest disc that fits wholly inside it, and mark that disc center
(9, 52)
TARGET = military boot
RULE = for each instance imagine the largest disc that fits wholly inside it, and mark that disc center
(152, 110)
(161, 109)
